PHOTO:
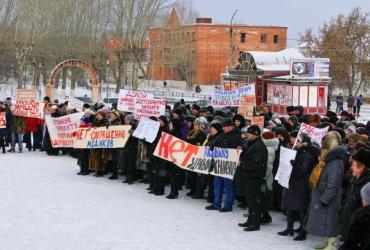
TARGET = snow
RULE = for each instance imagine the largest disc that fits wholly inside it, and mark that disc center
(281, 57)
(45, 205)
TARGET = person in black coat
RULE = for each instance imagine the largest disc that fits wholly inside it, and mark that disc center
(250, 176)
(361, 176)
(358, 237)
(296, 199)
(231, 138)
(129, 152)
(5, 132)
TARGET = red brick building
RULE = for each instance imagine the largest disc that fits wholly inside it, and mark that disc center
(200, 52)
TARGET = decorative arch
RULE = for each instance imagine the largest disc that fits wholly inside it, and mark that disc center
(74, 63)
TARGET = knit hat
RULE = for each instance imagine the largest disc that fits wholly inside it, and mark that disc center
(227, 122)
(275, 122)
(116, 114)
(217, 126)
(254, 129)
(164, 119)
(365, 193)
(102, 113)
(178, 111)
(196, 107)
(362, 156)
(344, 113)
(267, 135)
(190, 118)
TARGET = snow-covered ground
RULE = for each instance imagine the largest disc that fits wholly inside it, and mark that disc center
(45, 205)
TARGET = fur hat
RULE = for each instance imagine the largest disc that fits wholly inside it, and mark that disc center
(217, 126)
(362, 156)
(267, 135)
(164, 119)
(227, 122)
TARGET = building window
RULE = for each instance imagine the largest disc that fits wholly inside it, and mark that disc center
(263, 38)
(193, 36)
(276, 38)
(242, 37)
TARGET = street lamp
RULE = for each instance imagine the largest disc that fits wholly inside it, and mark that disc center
(107, 80)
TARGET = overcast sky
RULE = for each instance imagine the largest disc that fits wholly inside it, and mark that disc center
(296, 14)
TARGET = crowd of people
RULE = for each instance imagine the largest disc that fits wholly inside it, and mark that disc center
(329, 187)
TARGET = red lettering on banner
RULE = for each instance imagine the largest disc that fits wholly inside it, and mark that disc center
(190, 150)
(166, 139)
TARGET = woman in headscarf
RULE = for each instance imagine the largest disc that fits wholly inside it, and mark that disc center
(325, 181)
(296, 199)
(196, 136)
(239, 121)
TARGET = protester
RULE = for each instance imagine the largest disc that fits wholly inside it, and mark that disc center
(339, 100)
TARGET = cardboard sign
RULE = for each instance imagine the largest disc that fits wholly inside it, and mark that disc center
(147, 129)
(28, 109)
(258, 120)
(2, 120)
(316, 134)
(74, 103)
(127, 99)
(230, 98)
(246, 107)
(147, 108)
(62, 129)
(285, 168)
(27, 94)
(102, 137)
(198, 158)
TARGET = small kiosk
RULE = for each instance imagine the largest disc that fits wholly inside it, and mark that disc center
(284, 78)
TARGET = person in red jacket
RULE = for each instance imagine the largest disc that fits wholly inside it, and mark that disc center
(32, 137)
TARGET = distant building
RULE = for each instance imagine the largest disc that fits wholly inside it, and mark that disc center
(200, 52)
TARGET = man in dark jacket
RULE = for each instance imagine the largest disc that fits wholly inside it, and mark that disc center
(250, 176)
(231, 138)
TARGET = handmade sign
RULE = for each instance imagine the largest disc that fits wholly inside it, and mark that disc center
(230, 98)
(27, 94)
(2, 120)
(285, 167)
(147, 129)
(30, 109)
(316, 134)
(74, 103)
(62, 129)
(102, 137)
(198, 158)
(246, 107)
(127, 99)
(258, 120)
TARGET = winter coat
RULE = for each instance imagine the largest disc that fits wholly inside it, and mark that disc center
(253, 165)
(350, 101)
(359, 231)
(111, 154)
(232, 139)
(339, 99)
(272, 146)
(353, 201)
(19, 125)
(323, 218)
(9, 121)
(198, 139)
(96, 159)
(298, 195)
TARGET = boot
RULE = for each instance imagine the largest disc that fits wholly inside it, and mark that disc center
(290, 223)
(301, 236)
(266, 219)
(172, 196)
(322, 245)
(286, 232)
(114, 176)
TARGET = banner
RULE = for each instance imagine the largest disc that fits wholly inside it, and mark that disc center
(259, 120)
(142, 104)
(230, 98)
(246, 107)
(62, 129)
(198, 158)
(27, 94)
(316, 134)
(285, 167)
(28, 109)
(102, 137)
(2, 120)
(74, 103)
(310, 68)
(147, 129)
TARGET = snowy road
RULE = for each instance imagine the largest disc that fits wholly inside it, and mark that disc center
(45, 205)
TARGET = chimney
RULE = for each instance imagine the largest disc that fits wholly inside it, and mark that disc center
(204, 20)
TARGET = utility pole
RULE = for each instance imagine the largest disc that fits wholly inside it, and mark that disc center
(232, 42)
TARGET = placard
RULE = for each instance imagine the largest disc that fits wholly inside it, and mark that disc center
(147, 108)
(147, 129)
(246, 107)
(316, 134)
(285, 167)
(27, 94)
(2, 120)
(74, 103)
(102, 137)
(230, 98)
(62, 129)
(259, 121)
(127, 99)
(30, 109)
(310, 68)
